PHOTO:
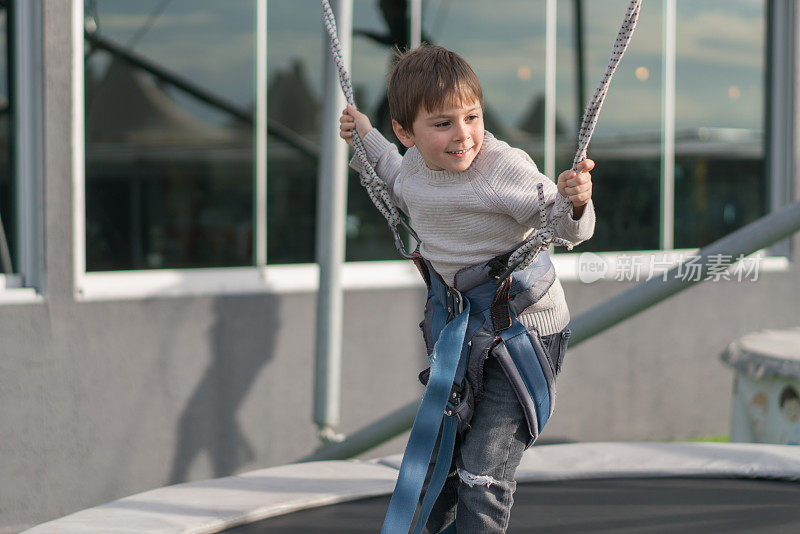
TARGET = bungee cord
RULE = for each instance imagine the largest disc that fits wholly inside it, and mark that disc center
(543, 236)
(376, 188)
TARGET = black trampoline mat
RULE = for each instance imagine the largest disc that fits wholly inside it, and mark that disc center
(685, 505)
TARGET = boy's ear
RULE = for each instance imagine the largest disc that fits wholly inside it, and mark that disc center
(402, 134)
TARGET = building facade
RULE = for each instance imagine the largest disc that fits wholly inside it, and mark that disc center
(158, 201)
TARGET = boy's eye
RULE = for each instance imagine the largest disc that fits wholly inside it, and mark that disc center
(472, 117)
(442, 124)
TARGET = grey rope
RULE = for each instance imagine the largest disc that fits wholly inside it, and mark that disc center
(544, 235)
(376, 188)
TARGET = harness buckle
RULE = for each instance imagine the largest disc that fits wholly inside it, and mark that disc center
(455, 302)
(454, 399)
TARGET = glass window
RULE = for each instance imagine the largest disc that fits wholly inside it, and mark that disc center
(169, 103)
(296, 48)
(720, 181)
(378, 26)
(294, 95)
(626, 143)
(8, 218)
(720, 178)
(508, 55)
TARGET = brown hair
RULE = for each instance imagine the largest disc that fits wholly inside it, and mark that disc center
(430, 77)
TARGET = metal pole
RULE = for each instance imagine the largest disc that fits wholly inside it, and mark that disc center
(372, 435)
(579, 61)
(260, 134)
(551, 23)
(416, 23)
(26, 95)
(331, 213)
(779, 139)
(745, 241)
(668, 129)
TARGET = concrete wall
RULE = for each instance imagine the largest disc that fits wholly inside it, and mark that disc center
(104, 399)
(657, 376)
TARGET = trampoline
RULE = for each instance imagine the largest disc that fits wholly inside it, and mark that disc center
(567, 488)
(581, 506)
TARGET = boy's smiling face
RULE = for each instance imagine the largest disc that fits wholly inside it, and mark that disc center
(448, 138)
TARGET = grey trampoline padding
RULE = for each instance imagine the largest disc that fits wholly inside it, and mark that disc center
(213, 505)
(219, 504)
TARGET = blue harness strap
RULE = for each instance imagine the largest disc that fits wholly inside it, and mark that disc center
(444, 364)
(518, 342)
(444, 459)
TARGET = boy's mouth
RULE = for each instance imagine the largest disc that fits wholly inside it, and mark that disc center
(459, 152)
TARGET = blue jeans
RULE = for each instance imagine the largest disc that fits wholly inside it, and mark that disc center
(479, 490)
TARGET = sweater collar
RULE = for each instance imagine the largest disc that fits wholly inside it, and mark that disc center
(420, 167)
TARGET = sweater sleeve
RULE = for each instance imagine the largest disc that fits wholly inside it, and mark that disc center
(383, 156)
(578, 230)
(514, 178)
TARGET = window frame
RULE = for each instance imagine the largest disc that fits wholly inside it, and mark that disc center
(147, 283)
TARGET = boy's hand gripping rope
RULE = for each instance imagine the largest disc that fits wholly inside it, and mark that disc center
(376, 188)
(543, 236)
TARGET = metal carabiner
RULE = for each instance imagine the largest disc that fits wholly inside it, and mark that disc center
(398, 240)
(512, 267)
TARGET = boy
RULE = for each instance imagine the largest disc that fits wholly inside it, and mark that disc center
(471, 198)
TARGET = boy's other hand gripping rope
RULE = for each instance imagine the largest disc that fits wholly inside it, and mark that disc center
(543, 236)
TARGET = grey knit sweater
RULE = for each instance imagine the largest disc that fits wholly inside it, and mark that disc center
(469, 217)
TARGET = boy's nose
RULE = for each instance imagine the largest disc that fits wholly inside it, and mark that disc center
(461, 132)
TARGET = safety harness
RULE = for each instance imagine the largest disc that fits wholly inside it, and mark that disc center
(464, 324)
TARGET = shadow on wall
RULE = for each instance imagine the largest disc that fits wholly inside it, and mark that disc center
(242, 340)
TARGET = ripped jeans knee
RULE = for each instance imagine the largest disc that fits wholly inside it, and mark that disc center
(484, 502)
(471, 480)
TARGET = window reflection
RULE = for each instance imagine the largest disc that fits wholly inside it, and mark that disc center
(170, 170)
(720, 178)
(294, 95)
(297, 47)
(508, 55)
(169, 136)
(378, 26)
(626, 143)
